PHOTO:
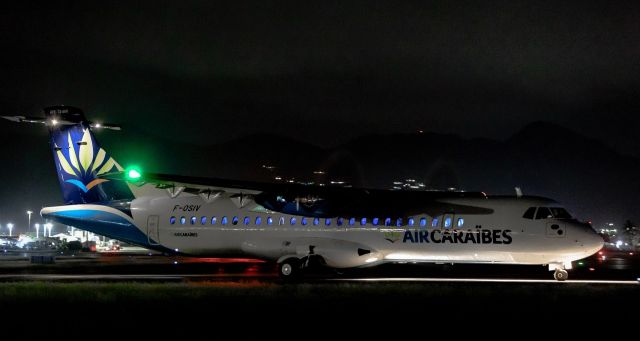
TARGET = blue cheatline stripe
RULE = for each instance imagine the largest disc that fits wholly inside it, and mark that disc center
(104, 223)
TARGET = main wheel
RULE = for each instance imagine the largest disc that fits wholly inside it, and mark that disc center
(560, 275)
(289, 268)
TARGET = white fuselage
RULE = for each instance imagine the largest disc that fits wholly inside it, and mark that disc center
(189, 225)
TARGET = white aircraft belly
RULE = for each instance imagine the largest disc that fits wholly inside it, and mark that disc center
(269, 242)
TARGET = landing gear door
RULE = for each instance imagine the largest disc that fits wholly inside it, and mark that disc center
(556, 230)
(153, 231)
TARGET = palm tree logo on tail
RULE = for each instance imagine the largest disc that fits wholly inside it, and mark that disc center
(83, 165)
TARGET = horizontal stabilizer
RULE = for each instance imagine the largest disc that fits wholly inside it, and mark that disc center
(54, 122)
(25, 119)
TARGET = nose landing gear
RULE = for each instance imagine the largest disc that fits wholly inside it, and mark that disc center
(560, 270)
(560, 275)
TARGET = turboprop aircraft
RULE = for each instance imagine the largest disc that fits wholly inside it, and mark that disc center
(299, 226)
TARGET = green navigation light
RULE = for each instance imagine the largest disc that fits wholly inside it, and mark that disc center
(133, 174)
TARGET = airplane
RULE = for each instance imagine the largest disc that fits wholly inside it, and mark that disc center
(297, 226)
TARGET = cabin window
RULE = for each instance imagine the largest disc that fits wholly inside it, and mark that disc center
(531, 211)
(375, 221)
(303, 221)
(447, 222)
(387, 222)
(193, 220)
(327, 221)
(247, 220)
(352, 221)
(316, 221)
(269, 221)
(411, 222)
(543, 213)
(460, 222)
(423, 222)
(399, 222)
(224, 220)
(281, 221)
(213, 220)
(434, 222)
(258, 220)
(292, 220)
(234, 221)
(340, 221)
(363, 221)
(203, 220)
(183, 220)
(172, 220)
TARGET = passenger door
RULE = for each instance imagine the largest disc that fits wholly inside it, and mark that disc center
(153, 231)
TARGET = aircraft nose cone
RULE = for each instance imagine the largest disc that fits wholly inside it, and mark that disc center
(596, 242)
(593, 242)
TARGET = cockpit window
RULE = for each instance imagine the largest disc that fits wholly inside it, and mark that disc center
(529, 213)
(543, 213)
(560, 213)
(549, 212)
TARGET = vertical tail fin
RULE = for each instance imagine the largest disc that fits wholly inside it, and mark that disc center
(79, 159)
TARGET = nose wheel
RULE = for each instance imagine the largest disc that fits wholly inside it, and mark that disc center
(560, 275)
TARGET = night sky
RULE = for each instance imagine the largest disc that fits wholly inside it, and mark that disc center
(327, 72)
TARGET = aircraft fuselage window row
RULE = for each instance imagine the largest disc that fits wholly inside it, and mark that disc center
(546, 213)
(304, 221)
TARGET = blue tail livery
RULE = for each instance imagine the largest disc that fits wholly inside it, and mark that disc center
(79, 159)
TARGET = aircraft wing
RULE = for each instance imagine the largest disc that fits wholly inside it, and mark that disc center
(313, 200)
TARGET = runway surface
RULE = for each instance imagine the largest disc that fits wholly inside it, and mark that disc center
(187, 278)
(145, 267)
(487, 280)
(174, 294)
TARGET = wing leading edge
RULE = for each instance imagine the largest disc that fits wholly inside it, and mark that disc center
(311, 200)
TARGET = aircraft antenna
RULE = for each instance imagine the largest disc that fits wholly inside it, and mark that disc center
(518, 192)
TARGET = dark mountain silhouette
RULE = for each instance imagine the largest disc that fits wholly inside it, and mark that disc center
(543, 159)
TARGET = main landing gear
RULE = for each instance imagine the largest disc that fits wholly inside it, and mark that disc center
(289, 268)
(294, 267)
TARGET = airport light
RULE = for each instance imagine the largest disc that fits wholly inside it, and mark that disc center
(29, 214)
(10, 226)
(47, 226)
(37, 230)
